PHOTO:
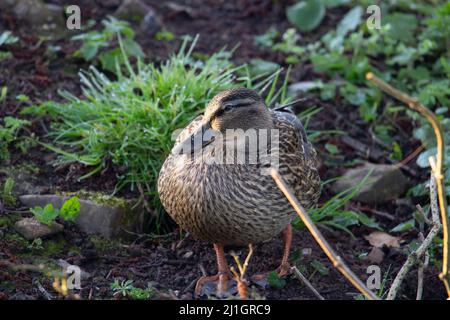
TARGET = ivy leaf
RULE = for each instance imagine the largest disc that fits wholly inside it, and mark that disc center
(70, 209)
(306, 15)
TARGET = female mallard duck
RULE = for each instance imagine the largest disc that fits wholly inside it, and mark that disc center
(235, 202)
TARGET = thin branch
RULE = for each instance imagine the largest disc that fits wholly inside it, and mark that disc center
(414, 257)
(437, 167)
(303, 279)
(240, 278)
(337, 261)
(420, 271)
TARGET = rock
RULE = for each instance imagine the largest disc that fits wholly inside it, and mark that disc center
(39, 16)
(38, 13)
(386, 182)
(132, 10)
(99, 214)
(376, 255)
(31, 229)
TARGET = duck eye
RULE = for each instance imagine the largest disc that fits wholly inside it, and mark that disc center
(227, 108)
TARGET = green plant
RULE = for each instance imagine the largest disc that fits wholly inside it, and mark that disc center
(126, 289)
(306, 15)
(331, 213)
(47, 215)
(7, 38)
(7, 195)
(103, 46)
(275, 281)
(9, 134)
(411, 53)
(130, 123)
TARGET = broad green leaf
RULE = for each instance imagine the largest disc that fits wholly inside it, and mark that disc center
(259, 67)
(422, 160)
(132, 48)
(317, 265)
(70, 209)
(306, 15)
(275, 281)
(350, 21)
(403, 26)
(405, 226)
(89, 50)
(45, 215)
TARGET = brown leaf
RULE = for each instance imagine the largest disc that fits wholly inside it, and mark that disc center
(379, 239)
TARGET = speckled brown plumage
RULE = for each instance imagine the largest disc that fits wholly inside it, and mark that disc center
(235, 204)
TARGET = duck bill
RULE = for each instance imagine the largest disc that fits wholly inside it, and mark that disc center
(195, 142)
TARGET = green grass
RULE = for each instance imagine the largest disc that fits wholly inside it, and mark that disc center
(129, 123)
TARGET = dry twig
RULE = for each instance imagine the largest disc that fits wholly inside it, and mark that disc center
(337, 261)
(240, 278)
(303, 279)
(414, 257)
(436, 167)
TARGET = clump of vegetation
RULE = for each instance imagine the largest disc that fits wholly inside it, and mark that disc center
(333, 214)
(47, 215)
(129, 123)
(126, 289)
(6, 37)
(9, 133)
(102, 46)
(7, 195)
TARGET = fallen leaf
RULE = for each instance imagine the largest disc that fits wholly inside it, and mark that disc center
(379, 239)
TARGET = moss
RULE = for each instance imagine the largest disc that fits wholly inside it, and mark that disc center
(16, 241)
(10, 219)
(53, 247)
(104, 245)
(97, 197)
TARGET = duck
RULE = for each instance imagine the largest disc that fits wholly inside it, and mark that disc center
(215, 182)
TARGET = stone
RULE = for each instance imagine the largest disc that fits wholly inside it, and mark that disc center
(385, 183)
(31, 229)
(38, 13)
(99, 214)
(132, 10)
(46, 19)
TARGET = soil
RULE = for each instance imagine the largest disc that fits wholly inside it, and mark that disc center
(173, 269)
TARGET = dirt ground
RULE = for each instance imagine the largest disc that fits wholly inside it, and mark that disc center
(173, 272)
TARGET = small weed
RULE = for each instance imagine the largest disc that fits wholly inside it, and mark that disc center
(7, 195)
(126, 289)
(9, 133)
(103, 46)
(47, 215)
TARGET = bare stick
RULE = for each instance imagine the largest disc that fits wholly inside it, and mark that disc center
(437, 167)
(422, 266)
(414, 257)
(303, 279)
(337, 261)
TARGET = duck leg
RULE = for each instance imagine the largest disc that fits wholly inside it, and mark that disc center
(222, 276)
(284, 267)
